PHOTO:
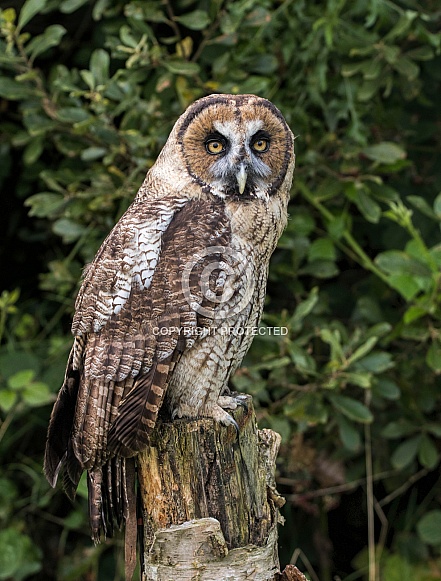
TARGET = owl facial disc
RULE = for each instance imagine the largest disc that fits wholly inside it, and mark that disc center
(236, 147)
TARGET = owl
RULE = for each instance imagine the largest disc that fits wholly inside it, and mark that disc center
(165, 312)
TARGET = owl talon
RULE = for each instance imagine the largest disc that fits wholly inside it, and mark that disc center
(232, 422)
(242, 401)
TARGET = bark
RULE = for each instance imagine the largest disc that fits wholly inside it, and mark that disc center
(209, 502)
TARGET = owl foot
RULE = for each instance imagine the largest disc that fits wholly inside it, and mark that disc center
(220, 415)
(230, 402)
(227, 402)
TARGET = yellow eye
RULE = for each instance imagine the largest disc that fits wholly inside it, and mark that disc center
(260, 145)
(214, 146)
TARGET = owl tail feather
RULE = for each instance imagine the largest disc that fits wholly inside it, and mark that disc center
(110, 488)
(112, 500)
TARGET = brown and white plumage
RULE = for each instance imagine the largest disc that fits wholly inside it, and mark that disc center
(158, 310)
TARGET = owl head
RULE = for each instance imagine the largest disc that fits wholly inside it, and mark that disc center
(232, 146)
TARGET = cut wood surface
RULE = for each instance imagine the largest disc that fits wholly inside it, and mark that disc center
(209, 502)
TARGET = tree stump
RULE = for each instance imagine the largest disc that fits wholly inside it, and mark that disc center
(209, 503)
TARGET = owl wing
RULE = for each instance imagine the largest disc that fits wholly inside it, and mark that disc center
(126, 261)
(129, 313)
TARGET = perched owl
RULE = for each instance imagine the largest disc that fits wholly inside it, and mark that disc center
(164, 311)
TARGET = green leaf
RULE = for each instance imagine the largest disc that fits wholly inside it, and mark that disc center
(68, 230)
(405, 453)
(302, 223)
(196, 20)
(69, 6)
(21, 379)
(376, 362)
(8, 15)
(367, 206)
(7, 399)
(88, 78)
(33, 151)
(385, 152)
(19, 558)
(429, 527)
(405, 284)
(421, 53)
(362, 350)
(50, 38)
(398, 429)
(350, 69)
(382, 192)
(263, 64)
(92, 153)
(413, 313)
(391, 53)
(421, 205)
(386, 388)
(349, 435)
(407, 68)
(403, 24)
(427, 453)
(320, 269)
(13, 90)
(302, 360)
(437, 206)
(363, 380)
(304, 308)
(44, 204)
(308, 408)
(272, 364)
(379, 329)
(434, 429)
(29, 9)
(396, 567)
(433, 356)
(99, 66)
(181, 67)
(72, 114)
(337, 226)
(322, 249)
(36, 394)
(351, 408)
(332, 337)
(399, 262)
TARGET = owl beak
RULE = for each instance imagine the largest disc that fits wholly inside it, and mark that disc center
(241, 177)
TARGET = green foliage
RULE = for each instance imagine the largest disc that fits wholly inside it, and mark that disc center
(88, 95)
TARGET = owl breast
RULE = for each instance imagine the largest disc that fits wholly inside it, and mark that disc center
(219, 346)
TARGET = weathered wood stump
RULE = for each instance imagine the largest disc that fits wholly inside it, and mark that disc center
(209, 503)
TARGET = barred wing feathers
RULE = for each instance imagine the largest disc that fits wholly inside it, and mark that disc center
(120, 364)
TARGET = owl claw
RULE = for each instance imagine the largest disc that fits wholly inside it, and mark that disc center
(232, 422)
(242, 401)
